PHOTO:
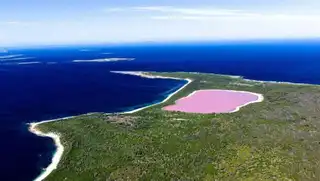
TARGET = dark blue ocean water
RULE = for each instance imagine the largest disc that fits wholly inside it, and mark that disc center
(39, 83)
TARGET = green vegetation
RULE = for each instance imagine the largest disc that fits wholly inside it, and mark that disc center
(278, 139)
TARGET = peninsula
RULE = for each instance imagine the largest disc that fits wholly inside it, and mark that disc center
(270, 132)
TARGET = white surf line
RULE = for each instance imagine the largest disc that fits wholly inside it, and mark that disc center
(257, 81)
(279, 82)
(58, 154)
(56, 137)
(143, 74)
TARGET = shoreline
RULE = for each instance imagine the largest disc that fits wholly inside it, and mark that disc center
(278, 82)
(260, 98)
(57, 141)
(143, 74)
(258, 81)
(225, 75)
(56, 137)
(56, 156)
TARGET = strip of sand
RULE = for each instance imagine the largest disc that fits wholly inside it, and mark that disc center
(56, 137)
(143, 74)
(58, 154)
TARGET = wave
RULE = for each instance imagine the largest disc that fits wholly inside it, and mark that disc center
(18, 58)
(105, 60)
(10, 56)
(27, 63)
(86, 50)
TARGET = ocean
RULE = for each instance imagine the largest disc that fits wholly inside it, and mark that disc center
(40, 83)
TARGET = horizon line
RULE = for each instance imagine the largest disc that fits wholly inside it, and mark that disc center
(157, 42)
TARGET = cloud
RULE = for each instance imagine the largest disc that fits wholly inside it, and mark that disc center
(181, 17)
(17, 23)
(213, 23)
(180, 13)
(13, 22)
(271, 17)
(175, 11)
(194, 11)
(110, 10)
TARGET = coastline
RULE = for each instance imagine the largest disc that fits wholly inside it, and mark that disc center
(234, 77)
(143, 74)
(57, 155)
(278, 82)
(258, 81)
(56, 137)
(57, 141)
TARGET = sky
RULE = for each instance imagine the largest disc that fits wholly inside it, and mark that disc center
(115, 21)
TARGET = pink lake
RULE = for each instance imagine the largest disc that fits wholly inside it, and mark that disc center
(214, 101)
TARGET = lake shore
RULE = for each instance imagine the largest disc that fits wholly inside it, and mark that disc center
(259, 98)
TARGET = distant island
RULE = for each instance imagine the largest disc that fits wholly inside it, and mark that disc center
(270, 132)
(2, 50)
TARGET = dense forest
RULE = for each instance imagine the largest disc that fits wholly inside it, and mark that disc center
(277, 139)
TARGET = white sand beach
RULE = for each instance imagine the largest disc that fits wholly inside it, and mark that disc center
(56, 137)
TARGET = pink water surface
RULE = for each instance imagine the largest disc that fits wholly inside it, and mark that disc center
(213, 101)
